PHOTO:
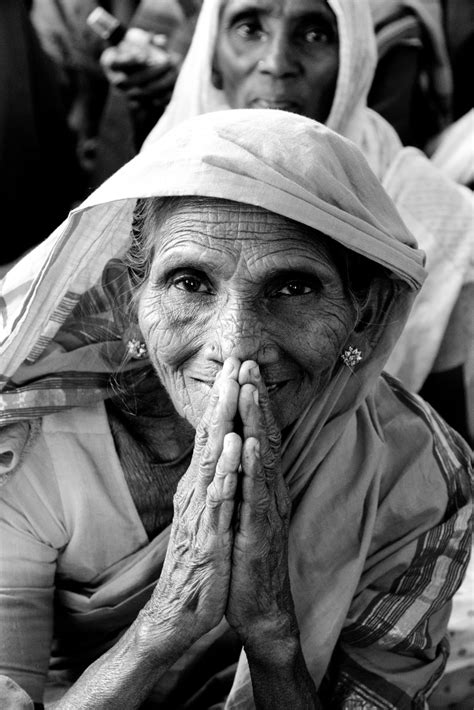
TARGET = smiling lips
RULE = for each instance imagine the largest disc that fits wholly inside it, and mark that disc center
(274, 386)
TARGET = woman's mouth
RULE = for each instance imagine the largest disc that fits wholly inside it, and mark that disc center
(273, 387)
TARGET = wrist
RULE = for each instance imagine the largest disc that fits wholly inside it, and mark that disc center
(275, 641)
(160, 638)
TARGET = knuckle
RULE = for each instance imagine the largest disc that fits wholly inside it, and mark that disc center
(182, 496)
(213, 497)
(207, 460)
(274, 437)
(202, 433)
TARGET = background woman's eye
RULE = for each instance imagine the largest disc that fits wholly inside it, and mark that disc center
(249, 29)
(315, 35)
(191, 283)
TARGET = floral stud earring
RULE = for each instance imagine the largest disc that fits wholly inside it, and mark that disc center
(136, 349)
(351, 356)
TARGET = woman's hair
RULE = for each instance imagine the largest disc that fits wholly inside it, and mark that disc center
(366, 282)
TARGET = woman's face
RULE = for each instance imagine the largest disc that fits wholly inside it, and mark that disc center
(229, 279)
(281, 54)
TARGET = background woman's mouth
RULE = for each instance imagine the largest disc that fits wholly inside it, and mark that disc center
(273, 104)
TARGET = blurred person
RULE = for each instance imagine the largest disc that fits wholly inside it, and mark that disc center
(412, 86)
(98, 101)
(37, 161)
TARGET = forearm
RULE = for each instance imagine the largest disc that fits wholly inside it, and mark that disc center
(280, 677)
(125, 675)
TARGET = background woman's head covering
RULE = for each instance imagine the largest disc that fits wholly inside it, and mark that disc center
(195, 94)
(62, 340)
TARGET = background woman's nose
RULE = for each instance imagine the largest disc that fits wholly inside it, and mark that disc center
(278, 57)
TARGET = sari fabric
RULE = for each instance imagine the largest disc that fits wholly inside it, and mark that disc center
(379, 538)
(438, 212)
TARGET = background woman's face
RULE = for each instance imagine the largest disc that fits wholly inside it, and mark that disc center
(229, 279)
(281, 54)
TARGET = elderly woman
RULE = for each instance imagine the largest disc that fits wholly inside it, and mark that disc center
(317, 58)
(213, 496)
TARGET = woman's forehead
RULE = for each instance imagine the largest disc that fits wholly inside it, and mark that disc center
(225, 224)
(222, 218)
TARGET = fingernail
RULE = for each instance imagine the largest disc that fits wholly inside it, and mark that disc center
(255, 396)
(255, 371)
(256, 448)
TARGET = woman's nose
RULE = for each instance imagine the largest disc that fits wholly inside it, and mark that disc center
(239, 333)
(278, 57)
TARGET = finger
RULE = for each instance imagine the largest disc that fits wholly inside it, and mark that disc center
(144, 76)
(254, 425)
(250, 413)
(250, 373)
(222, 423)
(256, 498)
(116, 78)
(217, 421)
(202, 430)
(229, 370)
(220, 500)
(122, 60)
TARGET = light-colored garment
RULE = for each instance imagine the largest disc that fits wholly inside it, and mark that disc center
(438, 212)
(70, 511)
(453, 150)
(379, 536)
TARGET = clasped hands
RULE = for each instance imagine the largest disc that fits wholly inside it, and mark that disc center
(228, 548)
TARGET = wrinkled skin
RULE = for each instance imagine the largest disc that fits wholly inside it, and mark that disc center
(281, 54)
(235, 280)
(245, 315)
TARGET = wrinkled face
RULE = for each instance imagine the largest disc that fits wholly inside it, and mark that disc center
(281, 54)
(230, 279)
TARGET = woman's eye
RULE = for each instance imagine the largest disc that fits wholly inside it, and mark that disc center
(295, 288)
(317, 35)
(191, 283)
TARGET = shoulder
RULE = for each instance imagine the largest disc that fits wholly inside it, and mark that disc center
(428, 466)
(67, 449)
(406, 415)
